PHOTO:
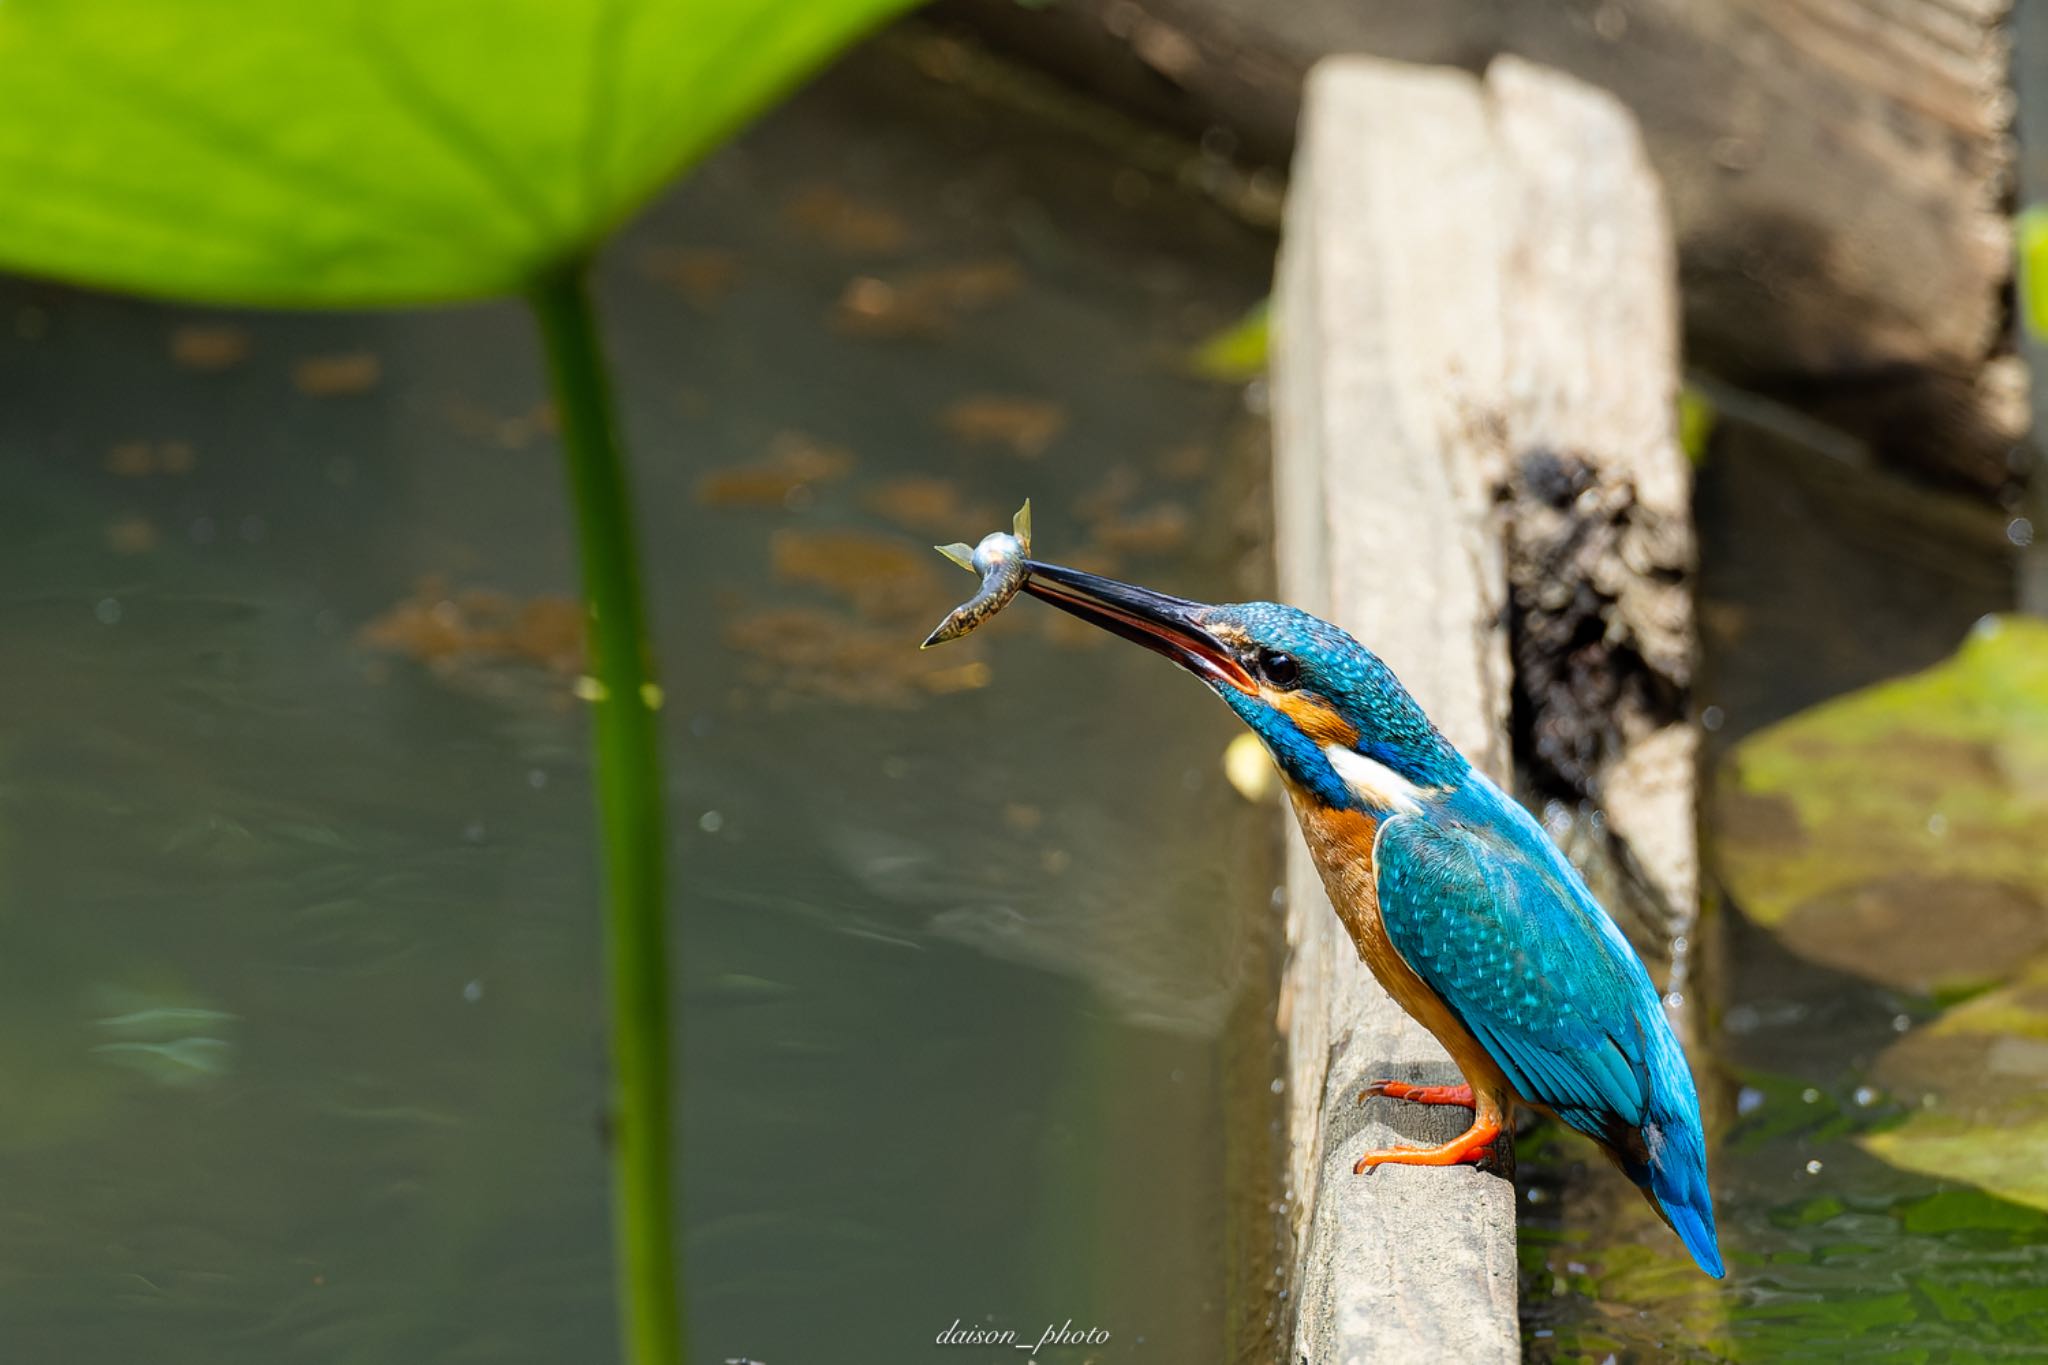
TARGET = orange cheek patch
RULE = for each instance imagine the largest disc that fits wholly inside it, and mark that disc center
(1313, 716)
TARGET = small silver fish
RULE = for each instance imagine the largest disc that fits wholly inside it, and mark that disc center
(1000, 560)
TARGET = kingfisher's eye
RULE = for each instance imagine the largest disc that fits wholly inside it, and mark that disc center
(1278, 669)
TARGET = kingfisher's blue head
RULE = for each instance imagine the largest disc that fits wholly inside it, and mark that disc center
(1336, 719)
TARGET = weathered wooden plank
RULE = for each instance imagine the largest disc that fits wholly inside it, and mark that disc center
(1836, 169)
(1389, 301)
(1476, 286)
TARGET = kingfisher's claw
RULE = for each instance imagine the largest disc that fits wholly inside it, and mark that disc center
(1467, 1148)
(1460, 1095)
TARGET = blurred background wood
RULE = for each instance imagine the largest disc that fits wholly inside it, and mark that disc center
(1837, 171)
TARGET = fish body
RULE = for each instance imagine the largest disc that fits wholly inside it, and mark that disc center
(1003, 561)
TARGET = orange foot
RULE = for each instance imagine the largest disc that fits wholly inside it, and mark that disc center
(1470, 1146)
(1460, 1095)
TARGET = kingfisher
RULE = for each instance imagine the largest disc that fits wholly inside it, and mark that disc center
(1454, 896)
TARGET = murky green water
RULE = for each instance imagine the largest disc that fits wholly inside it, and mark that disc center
(300, 1029)
(299, 1016)
(1813, 586)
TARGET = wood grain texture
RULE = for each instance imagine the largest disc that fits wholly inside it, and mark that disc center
(1473, 272)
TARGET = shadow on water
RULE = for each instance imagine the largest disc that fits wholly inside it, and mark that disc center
(1816, 582)
(301, 1013)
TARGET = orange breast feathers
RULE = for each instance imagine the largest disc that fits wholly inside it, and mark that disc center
(1341, 842)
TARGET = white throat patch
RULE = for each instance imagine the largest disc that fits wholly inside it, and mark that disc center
(1373, 782)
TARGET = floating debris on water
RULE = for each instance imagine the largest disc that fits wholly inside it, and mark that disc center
(1158, 530)
(924, 303)
(828, 214)
(1024, 426)
(702, 275)
(338, 376)
(514, 432)
(1001, 560)
(141, 459)
(798, 652)
(132, 535)
(882, 576)
(918, 503)
(450, 631)
(794, 463)
(1022, 816)
(807, 652)
(1110, 495)
(209, 347)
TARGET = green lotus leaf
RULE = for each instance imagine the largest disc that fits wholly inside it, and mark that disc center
(1980, 1075)
(367, 152)
(1895, 832)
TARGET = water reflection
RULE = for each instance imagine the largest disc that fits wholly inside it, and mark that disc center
(301, 1013)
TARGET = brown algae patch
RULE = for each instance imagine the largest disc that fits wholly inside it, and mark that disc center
(837, 219)
(884, 578)
(925, 303)
(209, 347)
(703, 276)
(132, 535)
(345, 375)
(145, 459)
(456, 630)
(929, 506)
(794, 464)
(1023, 427)
(815, 653)
(1165, 528)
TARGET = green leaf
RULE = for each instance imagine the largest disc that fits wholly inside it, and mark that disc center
(1238, 352)
(1696, 421)
(1895, 832)
(367, 152)
(1987, 1152)
(1982, 1070)
(2031, 244)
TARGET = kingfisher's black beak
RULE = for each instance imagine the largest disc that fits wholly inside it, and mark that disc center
(1165, 625)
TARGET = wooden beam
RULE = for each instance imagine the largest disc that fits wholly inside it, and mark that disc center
(1475, 295)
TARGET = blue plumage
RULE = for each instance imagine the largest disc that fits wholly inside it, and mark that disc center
(1483, 907)
(1455, 897)
(1492, 917)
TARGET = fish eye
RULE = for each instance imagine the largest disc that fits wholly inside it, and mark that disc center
(1278, 669)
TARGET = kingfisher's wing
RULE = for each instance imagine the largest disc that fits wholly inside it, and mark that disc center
(1513, 943)
(1538, 976)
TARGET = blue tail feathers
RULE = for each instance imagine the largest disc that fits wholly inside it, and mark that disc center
(1677, 1171)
